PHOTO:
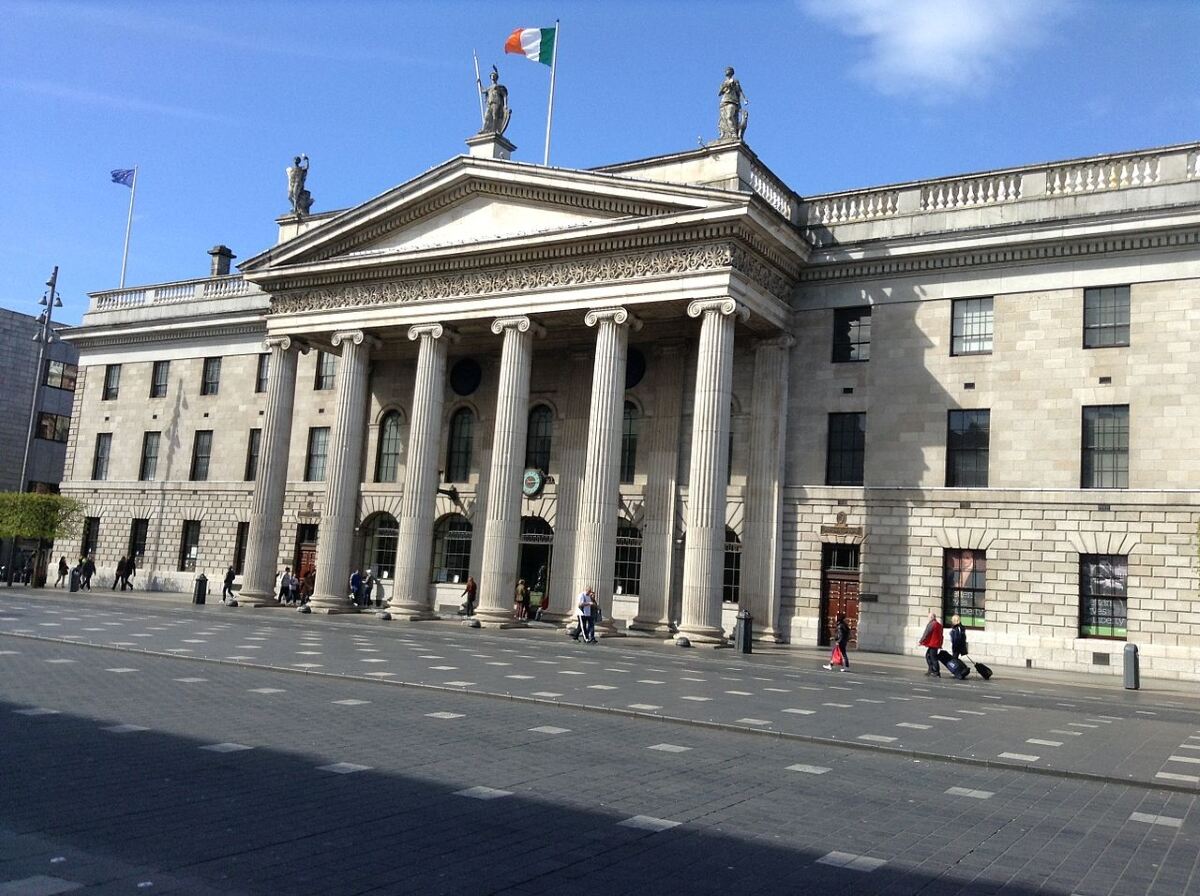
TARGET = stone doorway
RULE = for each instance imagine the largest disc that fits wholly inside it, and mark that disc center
(537, 549)
(839, 590)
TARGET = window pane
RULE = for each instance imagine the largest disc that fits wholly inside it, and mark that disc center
(260, 377)
(158, 378)
(318, 447)
(537, 445)
(462, 438)
(201, 452)
(451, 549)
(967, 438)
(210, 383)
(972, 327)
(627, 571)
(387, 463)
(112, 382)
(100, 458)
(253, 446)
(852, 334)
(1106, 316)
(1105, 460)
(631, 427)
(731, 585)
(326, 370)
(149, 464)
(1103, 595)
(964, 586)
(846, 450)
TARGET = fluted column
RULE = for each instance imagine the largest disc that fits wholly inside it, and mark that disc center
(763, 532)
(572, 447)
(343, 476)
(596, 538)
(266, 505)
(662, 489)
(502, 532)
(411, 597)
(704, 548)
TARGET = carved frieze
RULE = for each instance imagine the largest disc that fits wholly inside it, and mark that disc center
(535, 277)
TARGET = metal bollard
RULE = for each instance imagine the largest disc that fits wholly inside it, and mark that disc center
(743, 633)
(200, 591)
(1132, 670)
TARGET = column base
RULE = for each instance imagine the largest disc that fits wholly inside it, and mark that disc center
(411, 612)
(329, 605)
(768, 636)
(652, 627)
(702, 634)
(256, 599)
(608, 629)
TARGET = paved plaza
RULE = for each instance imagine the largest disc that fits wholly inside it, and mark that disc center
(152, 746)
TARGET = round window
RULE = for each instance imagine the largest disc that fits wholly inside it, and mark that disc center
(635, 368)
(465, 376)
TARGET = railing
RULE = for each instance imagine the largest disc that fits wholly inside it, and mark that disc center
(776, 195)
(173, 293)
(1116, 172)
(857, 206)
(1104, 174)
(970, 191)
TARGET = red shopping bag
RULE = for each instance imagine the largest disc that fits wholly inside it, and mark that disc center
(836, 658)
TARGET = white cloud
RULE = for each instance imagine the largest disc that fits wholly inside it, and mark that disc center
(939, 48)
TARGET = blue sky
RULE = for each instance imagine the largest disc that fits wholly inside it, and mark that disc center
(212, 100)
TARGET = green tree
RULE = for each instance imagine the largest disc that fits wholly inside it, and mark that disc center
(44, 517)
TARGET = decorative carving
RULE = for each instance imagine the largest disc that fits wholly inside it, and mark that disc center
(433, 331)
(521, 323)
(617, 315)
(528, 278)
(724, 307)
(355, 336)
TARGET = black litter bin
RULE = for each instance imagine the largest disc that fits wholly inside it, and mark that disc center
(743, 633)
(73, 579)
(1133, 676)
(200, 591)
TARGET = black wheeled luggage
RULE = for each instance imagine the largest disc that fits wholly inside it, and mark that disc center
(955, 667)
(985, 672)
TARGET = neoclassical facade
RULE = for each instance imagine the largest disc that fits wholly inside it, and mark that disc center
(684, 384)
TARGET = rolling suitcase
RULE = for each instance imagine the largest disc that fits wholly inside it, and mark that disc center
(985, 672)
(955, 667)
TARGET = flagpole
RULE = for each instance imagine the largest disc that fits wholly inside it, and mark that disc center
(550, 110)
(128, 225)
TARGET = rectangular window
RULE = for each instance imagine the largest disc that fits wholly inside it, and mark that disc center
(210, 382)
(91, 536)
(239, 548)
(53, 427)
(1105, 461)
(318, 446)
(326, 370)
(627, 572)
(846, 450)
(264, 368)
(112, 382)
(158, 379)
(139, 529)
(964, 586)
(252, 448)
(1106, 317)
(201, 454)
(149, 465)
(852, 334)
(61, 375)
(189, 545)
(971, 330)
(1103, 595)
(967, 436)
(100, 458)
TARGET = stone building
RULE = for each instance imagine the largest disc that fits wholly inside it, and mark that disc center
(680, 381)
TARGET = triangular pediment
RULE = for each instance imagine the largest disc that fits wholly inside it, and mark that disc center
(469, 204)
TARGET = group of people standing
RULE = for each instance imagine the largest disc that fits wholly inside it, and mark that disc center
(87, 568)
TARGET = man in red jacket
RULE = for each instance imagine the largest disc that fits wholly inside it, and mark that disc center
(931, 640)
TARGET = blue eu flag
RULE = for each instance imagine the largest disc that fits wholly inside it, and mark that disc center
(123, 176)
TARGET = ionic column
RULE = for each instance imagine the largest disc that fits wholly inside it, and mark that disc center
(658, 526)
(266, 506)
(763, 532)
(502, 532)
(704, 548)
(343, 476)
(572, 447)
(596, 537)
(411, 595)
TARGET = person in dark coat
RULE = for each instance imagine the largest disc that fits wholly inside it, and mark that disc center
(842, 635)
(120, 574)
(958, 637)
(931, 640)
(63, 572)
(130, 569)
(227, 587)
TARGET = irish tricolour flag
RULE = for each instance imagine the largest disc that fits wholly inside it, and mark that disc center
(532, 43)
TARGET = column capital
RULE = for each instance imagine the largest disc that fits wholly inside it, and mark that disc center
(433, 331)
(356, 337)
(780, 340)
(284, 343)
(520, 323)
(724, 307)
(616, 315)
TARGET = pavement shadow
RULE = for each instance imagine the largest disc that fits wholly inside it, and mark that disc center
(266, 821)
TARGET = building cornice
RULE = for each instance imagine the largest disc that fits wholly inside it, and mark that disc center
(86, 338)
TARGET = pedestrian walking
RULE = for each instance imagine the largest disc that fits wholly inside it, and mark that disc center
(227, 587)
(468, 607)
(587, 623)
(356, 588)
(841, 645)
(130, 569)
(368, 588)
(86, 571)
(308, 585)
(285, 585)
(521, 600)
(63, 572)
(120, 574)
(958, 637)
(931, 640)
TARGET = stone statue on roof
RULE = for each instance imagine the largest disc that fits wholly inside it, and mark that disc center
(732, 118)
(300, 198)
(496, 113)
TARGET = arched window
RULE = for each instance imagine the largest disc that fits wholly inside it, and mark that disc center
(387, 462)
(451, 548)
(733, 568)
(630, 428)
(541, 433)
(627, 572)
(462, 439)
(382, 534)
